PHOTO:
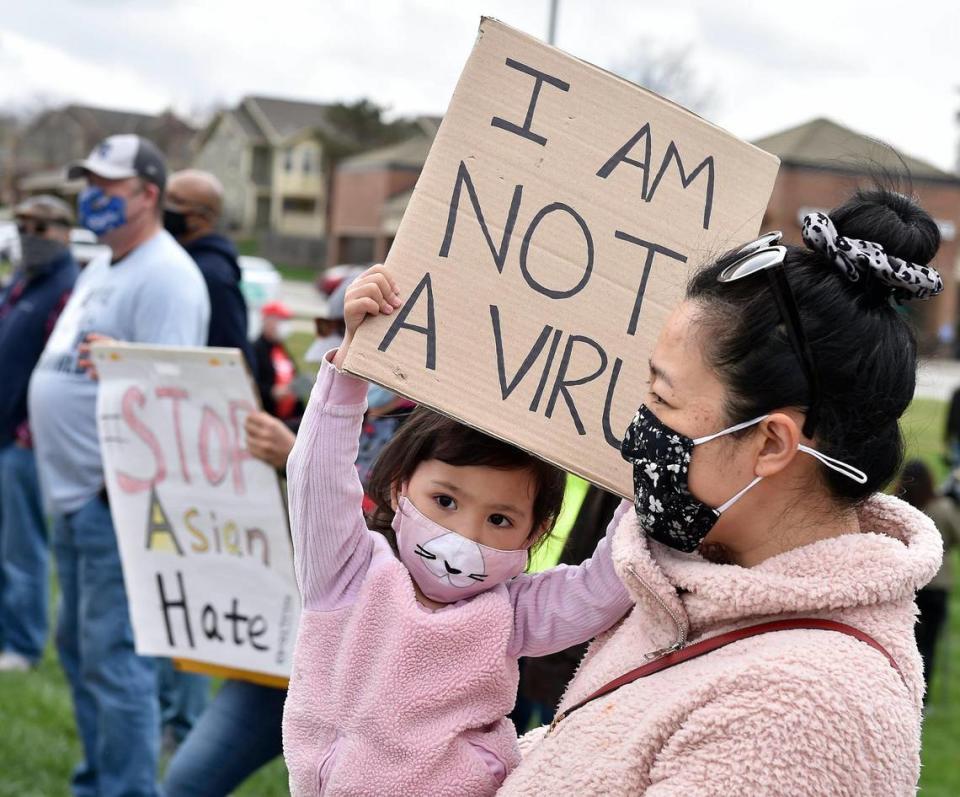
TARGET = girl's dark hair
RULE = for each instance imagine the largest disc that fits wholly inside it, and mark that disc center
(864, 352)
(429, 435)
(916, 484)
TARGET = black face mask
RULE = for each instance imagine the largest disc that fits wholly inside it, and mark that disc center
(175, 222)
(38, 252)
(667, 510)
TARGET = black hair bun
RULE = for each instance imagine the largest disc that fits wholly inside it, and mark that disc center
(891, 219)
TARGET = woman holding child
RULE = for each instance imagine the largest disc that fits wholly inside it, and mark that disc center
(759, 453)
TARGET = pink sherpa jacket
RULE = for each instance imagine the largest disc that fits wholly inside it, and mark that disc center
(787, 713)
(387, 697)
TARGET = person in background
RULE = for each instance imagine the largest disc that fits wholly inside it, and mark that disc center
(29, 308)
(147, 290)
(951, 436)
(194, 204)
(192, 208)
(587, 511)
(916, 488)
(276, 371)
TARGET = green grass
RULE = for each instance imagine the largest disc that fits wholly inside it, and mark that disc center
(248, 246)
(940, 777)
(38, 744)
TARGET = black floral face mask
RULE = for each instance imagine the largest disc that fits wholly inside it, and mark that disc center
(667, 510)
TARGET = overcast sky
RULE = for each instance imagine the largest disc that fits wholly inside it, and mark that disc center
(888, 69)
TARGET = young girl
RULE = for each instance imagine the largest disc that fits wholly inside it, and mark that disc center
(406, 662)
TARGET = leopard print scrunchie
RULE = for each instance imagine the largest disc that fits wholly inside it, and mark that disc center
(853, 256)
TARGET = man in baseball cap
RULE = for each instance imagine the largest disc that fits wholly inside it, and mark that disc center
(147, 291)
(121, 156)
(123, 202)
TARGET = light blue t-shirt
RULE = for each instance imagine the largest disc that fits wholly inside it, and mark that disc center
(155, 294)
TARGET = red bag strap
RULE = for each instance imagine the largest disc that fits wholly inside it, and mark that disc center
(722, 640)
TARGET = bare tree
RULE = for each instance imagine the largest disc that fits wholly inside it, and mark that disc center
(668, 72)
(201, 112)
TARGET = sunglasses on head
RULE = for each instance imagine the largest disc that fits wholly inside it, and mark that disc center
(764, 254)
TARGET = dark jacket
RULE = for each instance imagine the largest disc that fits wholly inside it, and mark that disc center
(29, 308)
(544, 679)
(216, 257)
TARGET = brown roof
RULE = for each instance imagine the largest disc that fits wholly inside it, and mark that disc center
(822, 143)
(408, 154)
(287, 118)
(247, 123)
(107, 121)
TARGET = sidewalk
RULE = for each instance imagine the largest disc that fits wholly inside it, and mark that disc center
(937, 379)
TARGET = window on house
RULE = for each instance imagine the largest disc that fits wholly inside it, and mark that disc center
(299, 204)
(288, 160)
(260, 166)
(308, 161)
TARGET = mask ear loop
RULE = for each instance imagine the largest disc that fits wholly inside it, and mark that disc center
(727, 504)
(835, 464)
(698, 441)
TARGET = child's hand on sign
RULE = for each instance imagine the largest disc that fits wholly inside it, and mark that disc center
(372, 293)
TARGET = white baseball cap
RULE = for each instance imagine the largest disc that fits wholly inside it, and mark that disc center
(121, 156)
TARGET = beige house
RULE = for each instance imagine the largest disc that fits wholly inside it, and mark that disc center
(270, 155)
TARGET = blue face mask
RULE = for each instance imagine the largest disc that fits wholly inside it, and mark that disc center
(101, 212)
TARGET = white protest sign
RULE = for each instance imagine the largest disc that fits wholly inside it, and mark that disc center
(202, 530)
(552, 230)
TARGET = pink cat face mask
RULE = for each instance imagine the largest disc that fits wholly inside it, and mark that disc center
(447, 566)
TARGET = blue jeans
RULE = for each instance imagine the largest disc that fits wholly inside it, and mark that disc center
(114, 690)
(24, 555)
(183, 697)
(238, 733)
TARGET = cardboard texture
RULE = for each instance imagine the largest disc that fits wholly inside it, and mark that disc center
(201, 526)
(553, 229)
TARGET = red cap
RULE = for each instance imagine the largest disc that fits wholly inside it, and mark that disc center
(277, 309)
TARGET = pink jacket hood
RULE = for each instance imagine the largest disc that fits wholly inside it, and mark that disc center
(793, 712)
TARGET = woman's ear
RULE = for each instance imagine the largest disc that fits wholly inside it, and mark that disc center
(780, 438)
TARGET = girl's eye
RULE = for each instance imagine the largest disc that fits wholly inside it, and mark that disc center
(445, 501)
(502, 521)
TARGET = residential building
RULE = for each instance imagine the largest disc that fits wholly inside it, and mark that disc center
(371, 192)
(60, 135)
(822, 162)
(271, 155)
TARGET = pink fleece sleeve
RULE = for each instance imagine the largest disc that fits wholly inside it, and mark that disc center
(332, 546)
(565, 605)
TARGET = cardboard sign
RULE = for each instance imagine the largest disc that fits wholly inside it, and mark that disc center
(552, 231)
(201, 525)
